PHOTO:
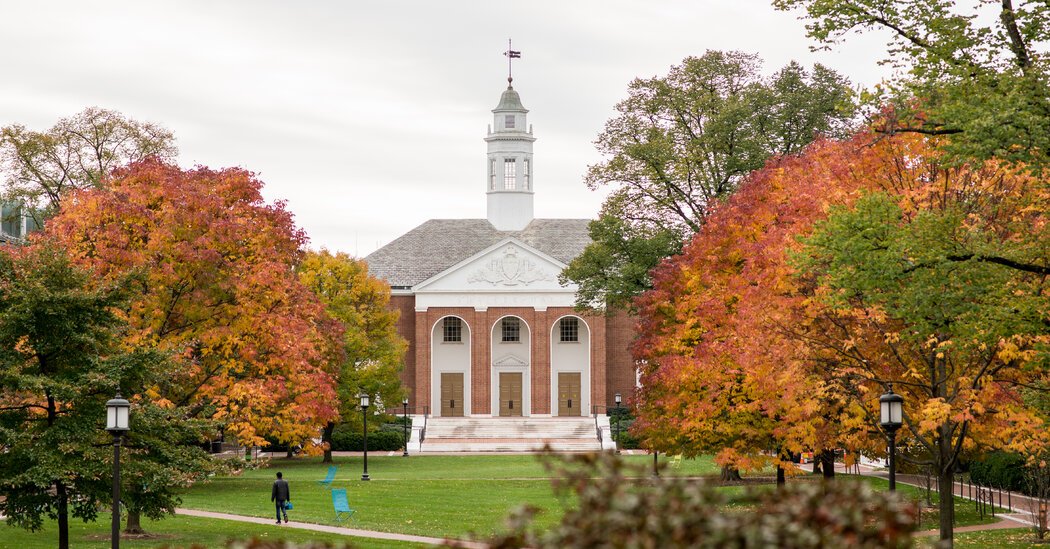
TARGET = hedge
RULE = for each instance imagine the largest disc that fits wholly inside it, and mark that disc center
(345, 440)
(1001, 470)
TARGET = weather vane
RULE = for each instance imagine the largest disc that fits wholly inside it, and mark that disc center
(511, 55)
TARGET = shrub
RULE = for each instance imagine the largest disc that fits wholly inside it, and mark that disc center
(999, 469)
(613, 508)
(346, 440)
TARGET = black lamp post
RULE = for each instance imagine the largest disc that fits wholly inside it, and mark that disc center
(117, 424)
(404, 402)
(891, 414)
(616, 432)
(364, 414)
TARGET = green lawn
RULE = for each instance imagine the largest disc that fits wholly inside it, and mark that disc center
(454, 496)
(1012, 538)
(177, 532)
(424, 495)
(965, 513)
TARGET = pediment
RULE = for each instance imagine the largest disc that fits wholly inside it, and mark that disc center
(509, 265)
(510, 361)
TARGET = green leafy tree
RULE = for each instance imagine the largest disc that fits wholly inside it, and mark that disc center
(682, 142)
(976, 70)
(40, 168)
(372, 350)
(59, 363)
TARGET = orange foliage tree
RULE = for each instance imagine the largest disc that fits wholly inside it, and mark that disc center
(753, 342)
(253, 345)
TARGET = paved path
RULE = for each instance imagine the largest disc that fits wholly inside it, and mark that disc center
(333, 529)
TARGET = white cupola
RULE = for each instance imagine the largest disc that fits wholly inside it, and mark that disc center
(510, 167)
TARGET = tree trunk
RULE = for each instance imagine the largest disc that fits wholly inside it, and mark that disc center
(730, 473)
(291, 452)
(816, 463)
(63, 515)
(326, 440)
(134, 525)
(827, 463)
(781, 481)
(946, 486)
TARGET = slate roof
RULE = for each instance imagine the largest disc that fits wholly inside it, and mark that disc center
(439, 244)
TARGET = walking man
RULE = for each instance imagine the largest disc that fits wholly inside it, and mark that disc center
(280, 495)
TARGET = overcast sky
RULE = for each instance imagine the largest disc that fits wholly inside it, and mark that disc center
(368, 117)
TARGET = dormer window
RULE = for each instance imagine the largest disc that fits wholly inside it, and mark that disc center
(509, 173)
(508, 122)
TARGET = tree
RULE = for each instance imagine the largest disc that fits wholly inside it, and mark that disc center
(830, 275)
(977, 70)
(219, 294)
(681, 143)
(372, 348)
(60, 360)
(79, 152)
(930, 291)
(725, 371)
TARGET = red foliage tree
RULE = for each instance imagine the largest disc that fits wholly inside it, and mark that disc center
(219, 292)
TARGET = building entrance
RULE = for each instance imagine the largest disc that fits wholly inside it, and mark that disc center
(452, 395)
(510, 394)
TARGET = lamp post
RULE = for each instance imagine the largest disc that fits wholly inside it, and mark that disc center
(404, 402)
(364, 414)
(891, 416)
(616, 433)
(117, 424)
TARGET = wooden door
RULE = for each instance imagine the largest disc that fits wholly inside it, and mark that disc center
(452, 395)
(510, 394)
(569, 394)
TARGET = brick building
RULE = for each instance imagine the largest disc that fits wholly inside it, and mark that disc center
(491, 332)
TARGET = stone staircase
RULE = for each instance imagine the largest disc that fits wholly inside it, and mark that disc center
(510, 435)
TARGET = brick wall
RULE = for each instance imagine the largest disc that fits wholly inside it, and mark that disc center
(620, 370)
(612, 367)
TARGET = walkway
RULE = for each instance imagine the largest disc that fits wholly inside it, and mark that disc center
(333, 529)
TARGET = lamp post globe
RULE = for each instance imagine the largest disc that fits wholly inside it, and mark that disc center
(364, 416)
(616, 433)
(118, 415)
(404, 420)
(891, 417)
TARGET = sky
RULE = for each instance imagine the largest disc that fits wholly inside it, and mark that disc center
(368, 118)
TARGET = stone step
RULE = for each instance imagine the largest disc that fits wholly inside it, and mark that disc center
(510, 435)
(508, 445)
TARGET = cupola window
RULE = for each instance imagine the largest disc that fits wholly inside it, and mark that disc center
(492, 175)
(508, 122)
(525, 173)
(509, 173)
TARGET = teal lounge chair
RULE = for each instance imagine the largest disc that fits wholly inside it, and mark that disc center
(342, 506)
(327, 482)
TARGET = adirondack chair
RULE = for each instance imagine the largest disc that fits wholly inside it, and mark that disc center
(327, 482)
(676, 461)
(342, 506)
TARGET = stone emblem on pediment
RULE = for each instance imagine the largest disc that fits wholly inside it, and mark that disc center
(509, 270)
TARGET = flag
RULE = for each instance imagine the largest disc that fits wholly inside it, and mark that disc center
(512, 54)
